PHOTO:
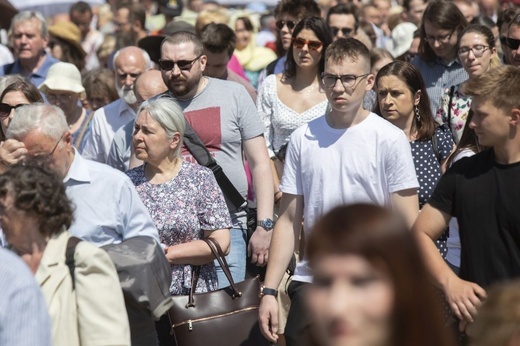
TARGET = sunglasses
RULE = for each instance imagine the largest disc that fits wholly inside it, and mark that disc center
(313, 45)
(290, 24)
(183, 65)
(512, 43)
(345, 31)
(6, 109)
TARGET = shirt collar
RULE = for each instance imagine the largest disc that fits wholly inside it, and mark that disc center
(124, 107)
(78, 170)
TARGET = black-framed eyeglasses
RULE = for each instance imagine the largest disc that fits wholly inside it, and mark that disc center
(183, 65)
(345, 31)
(440, 39)
(347, 80)
(299, 43)
(290, 24)
(512, 43)
(478, 50)
(6, 109)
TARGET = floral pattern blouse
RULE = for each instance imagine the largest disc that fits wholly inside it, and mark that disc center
(459, 107)
(182, 209)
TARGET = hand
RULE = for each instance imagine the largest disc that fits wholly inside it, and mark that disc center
(12, 151)
(464, 298)
(168, 252)
(268, 318)
(258, 248)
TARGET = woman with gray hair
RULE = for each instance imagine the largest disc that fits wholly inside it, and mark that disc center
(183, 198)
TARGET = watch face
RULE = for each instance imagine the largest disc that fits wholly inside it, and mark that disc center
(268, 223)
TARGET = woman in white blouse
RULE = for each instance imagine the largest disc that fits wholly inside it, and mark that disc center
(292, 98)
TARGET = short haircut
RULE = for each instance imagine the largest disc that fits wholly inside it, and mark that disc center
(205, 17)
(167, 113)
(515, 21)
(322, 32)
(297, 8)
(99, 82)
(50, 120)
(218, 37)
(496, 86)
(488, 36)
(445, 15)
(39, 192)
(412, 78)
(28, 15)
(344, 8)
(145, 54)
(382, 238)
(505, 16)
(406, 4)
(81, 7)
(136, 12)
(184, 37)
(348, 48)
(377, 54)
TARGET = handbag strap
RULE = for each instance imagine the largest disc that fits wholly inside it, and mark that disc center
(199, 151)
(221, 258)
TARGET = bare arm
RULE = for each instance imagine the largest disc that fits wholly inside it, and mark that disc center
(197, 252)
(259, 162)
(464, 297)
(406, 202)
(282, 247)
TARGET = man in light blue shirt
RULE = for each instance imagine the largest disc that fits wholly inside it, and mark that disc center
(30, 37)
(108, 210)
(24, 320)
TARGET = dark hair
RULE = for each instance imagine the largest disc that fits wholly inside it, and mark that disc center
(247, 23)
(344, 8)
(28, 90)
(136, 12)
(382, 238)
(505, 16)
(184, 37)
(322, 32)
(297, 8)
(484, 20)
(410, 75)
(71, 54)
(444, 15)
(99, 82)
(218, 37)
(515, 21)
(38, 191)
(349, 48)
(81, 7)
(377, 54)
(406, 4)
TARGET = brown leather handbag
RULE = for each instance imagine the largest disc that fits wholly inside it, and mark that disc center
(227, 316)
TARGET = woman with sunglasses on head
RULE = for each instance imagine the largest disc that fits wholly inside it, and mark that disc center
(17, 94)
(403, 101)
(478, 54)
(293, 98)
(437, 60)
(253, 58)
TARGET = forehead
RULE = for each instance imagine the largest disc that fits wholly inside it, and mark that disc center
(472, 37)
(307, 33)
(347, 66)
(342, 20)
(130, 63)
(36, 141)
(393, 82)
(27, 26)
(180, 51)
(15, 97)
(431, 29)
(514, 31)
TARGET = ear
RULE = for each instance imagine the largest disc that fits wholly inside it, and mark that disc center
(67, 139)
(514, 117)
(417, 98)
(45, 41)
(371, 79)
(203, 61)
(176, 139)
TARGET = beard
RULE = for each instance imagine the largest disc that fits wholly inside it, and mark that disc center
(127, 94)
(180, 86)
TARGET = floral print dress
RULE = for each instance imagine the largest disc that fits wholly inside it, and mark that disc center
(454, 112)
(182, 209)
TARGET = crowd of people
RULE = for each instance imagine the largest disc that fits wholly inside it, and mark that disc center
(376, 142)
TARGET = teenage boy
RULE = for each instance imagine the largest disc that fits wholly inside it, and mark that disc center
(348, 155)
(483, 193)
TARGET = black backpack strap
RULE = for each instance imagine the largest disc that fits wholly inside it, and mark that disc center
(69, 257)
(199, 151)
(452, 91)
(435, 145)
(269, 69)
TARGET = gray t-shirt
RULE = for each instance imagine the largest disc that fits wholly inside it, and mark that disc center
(224, 116)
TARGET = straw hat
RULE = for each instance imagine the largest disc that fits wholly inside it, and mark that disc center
(68, 32)
(63, 76)
(401, 39)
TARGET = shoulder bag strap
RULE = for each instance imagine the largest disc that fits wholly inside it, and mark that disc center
(204, 158)
(83, 129)
(452, 91)
(69, 257)
(435, 145)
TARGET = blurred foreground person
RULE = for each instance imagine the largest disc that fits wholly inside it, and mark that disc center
(78, 280)
(370, 285)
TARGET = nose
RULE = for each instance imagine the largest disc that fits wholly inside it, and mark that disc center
(338, 86)
(471, 55)
(129, 80)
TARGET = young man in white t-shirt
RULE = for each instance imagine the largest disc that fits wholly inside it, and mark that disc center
(347, 156)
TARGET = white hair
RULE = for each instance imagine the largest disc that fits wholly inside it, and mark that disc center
(50, 120)
(28, 15)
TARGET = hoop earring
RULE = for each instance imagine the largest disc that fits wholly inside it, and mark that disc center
(417, 116)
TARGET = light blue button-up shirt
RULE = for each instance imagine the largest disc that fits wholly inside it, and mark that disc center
(36, 78)
(108, 209)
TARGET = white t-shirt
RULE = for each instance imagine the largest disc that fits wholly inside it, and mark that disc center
(364, 163)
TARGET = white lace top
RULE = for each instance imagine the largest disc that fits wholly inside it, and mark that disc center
(279, 120)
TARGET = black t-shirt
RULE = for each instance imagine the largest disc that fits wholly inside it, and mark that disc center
(485, 198)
